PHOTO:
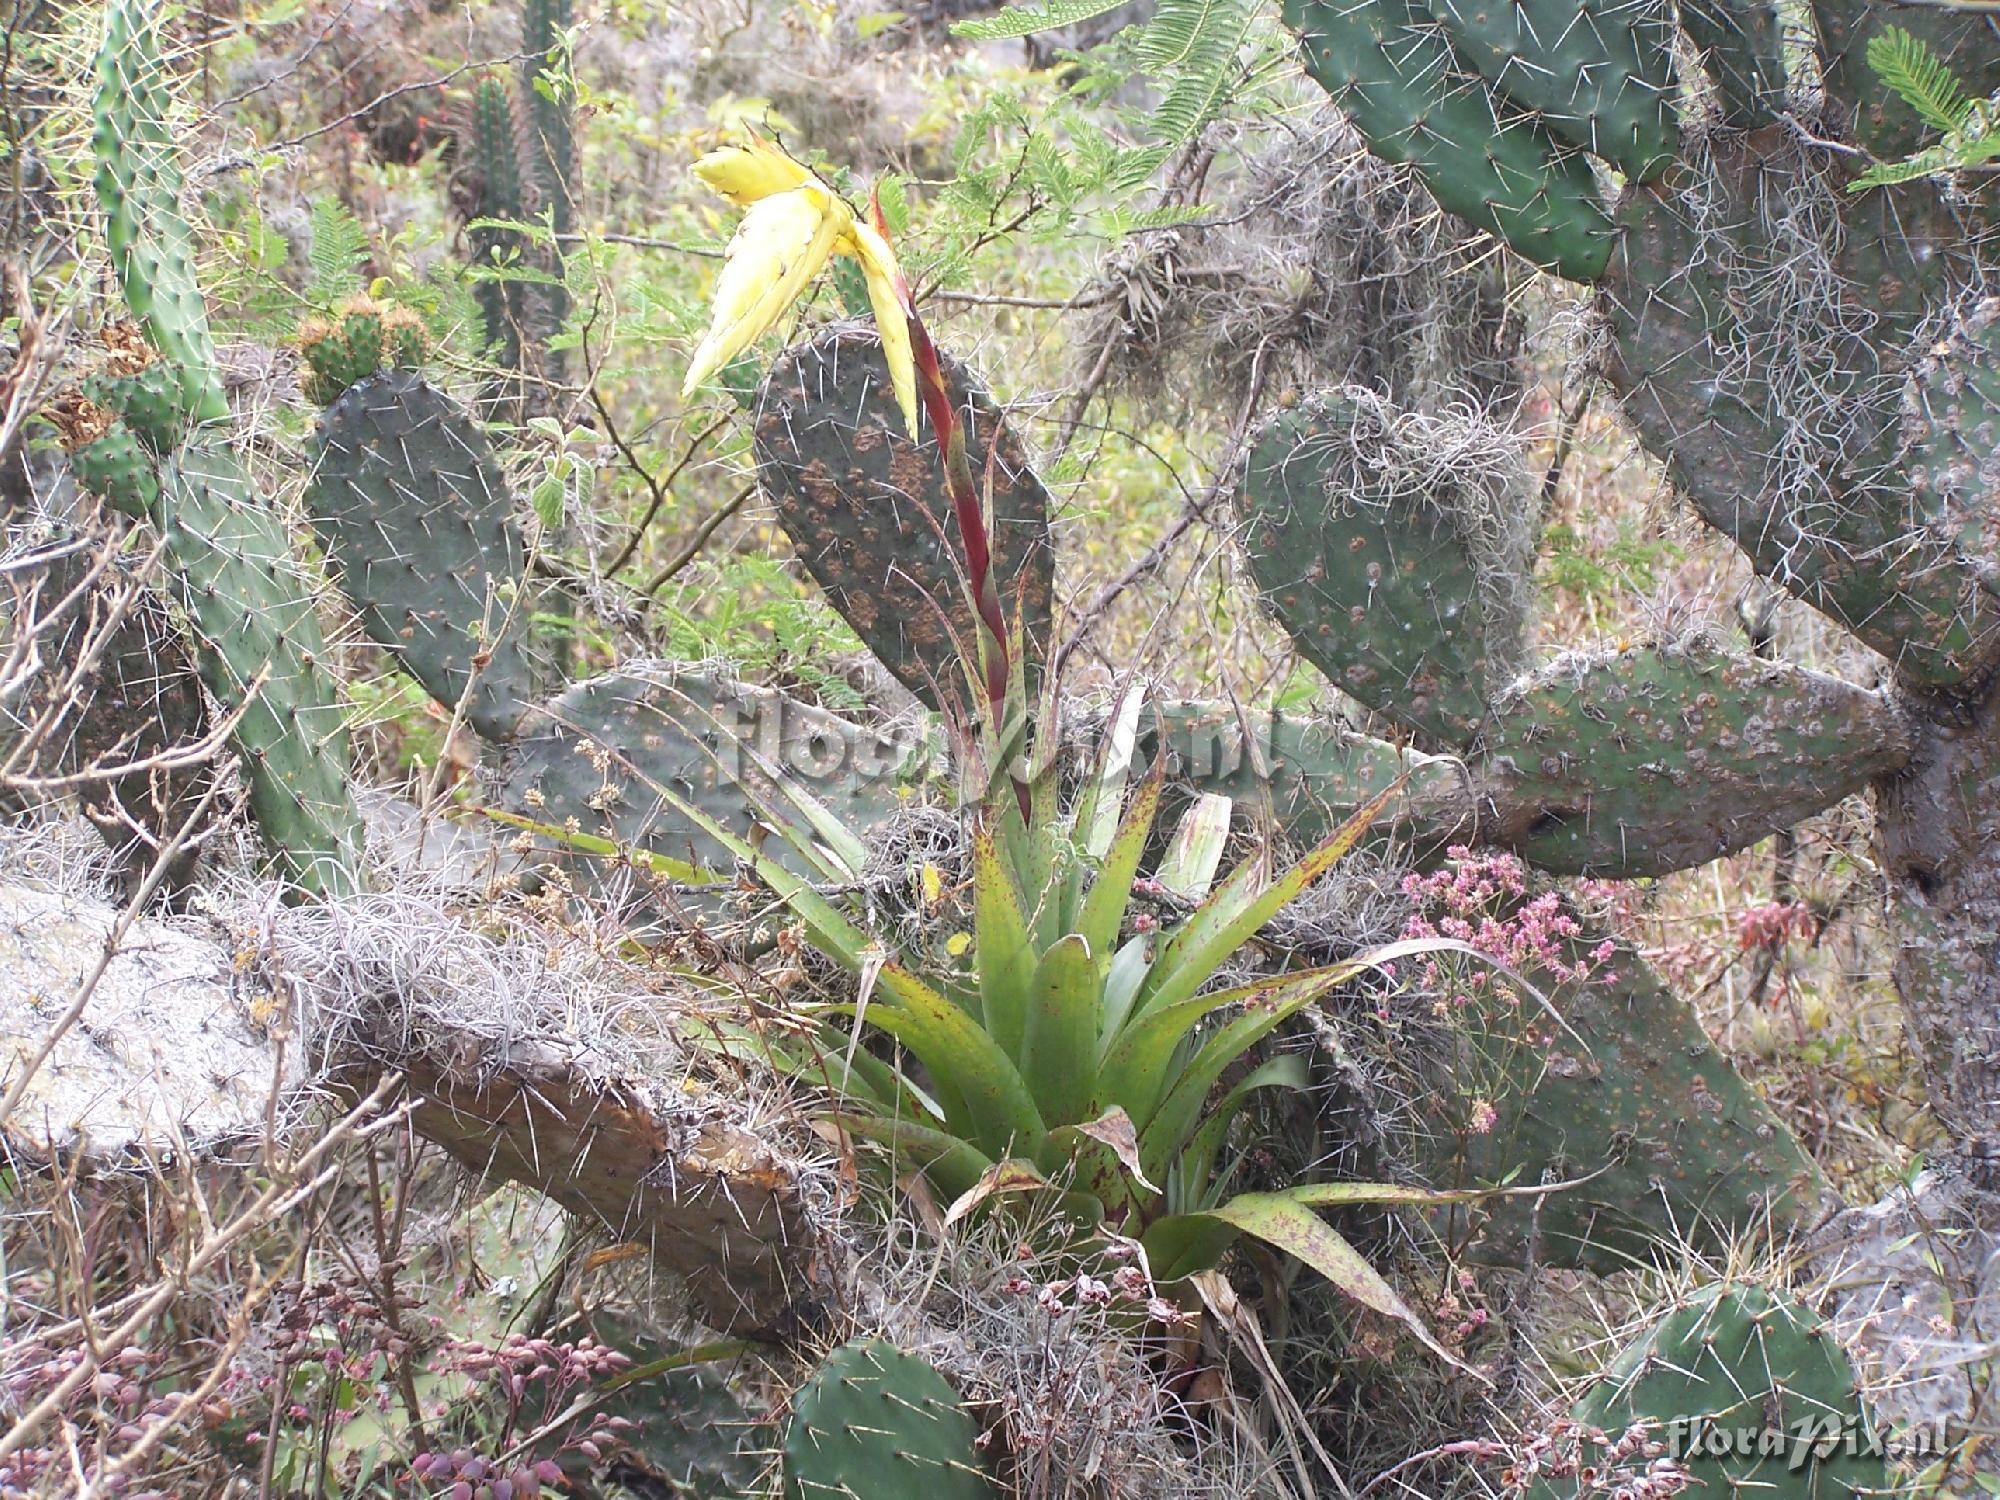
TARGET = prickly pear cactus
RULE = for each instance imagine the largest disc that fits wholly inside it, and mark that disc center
(1667, 755)
(139, 186)
(110, 461)
(1751, 1393)
(415, 513)
(260, 649)
(1806, 356)
(1498, 166)
(874, 1423)
(1624, 1092)
(1364, 558)
(1598, 73)
(868, 511)
(258, 643)
(360, 337)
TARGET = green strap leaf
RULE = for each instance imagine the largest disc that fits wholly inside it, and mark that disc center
(1285, 1222)
(1228, 920)
(953, 1165)
(1004, 957)
(1059, 1045)
(1111, 893)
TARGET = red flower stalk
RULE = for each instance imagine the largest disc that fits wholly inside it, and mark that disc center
(965, 504)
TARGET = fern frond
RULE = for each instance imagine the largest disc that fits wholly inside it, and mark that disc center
(1023, 20)
(1192, 45)
(1919, 77)
(337, 254)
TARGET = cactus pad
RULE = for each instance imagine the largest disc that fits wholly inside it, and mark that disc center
(1742, 46)
(414, 510)
(1667, 756)
(139, 185)
(260, 650)
(1685, 1153)
(1308, 774)
(116, 467)
(1599, 73)
(874, 1423)
(868, 511)
(1733, 1365)
(1371, 579)
(1396, 77)
(593, 757)
(361, 337)
(150, 399)
(1707, 319)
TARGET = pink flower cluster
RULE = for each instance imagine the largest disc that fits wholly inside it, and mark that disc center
(464, 1475)
(1128, 1286)
(1775, 924)
(515, 1369)
(116, 1405)
(1478, 899)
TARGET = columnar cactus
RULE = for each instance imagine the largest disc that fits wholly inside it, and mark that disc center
(525, 154)
(1813, 366)
(258, 641)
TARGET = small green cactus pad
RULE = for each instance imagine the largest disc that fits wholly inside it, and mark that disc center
(415, 512)
(1742, 46)
(1599, 73)
(874, 1423)
(117, 468)
(1395, 76)
(260, 650)
(1664, 757)
(359, 338)
(139, 185)
(594, 758)
(1694, 333)
(1629, 1088)
(869, 513)
(1371, 580)
(150, 399)
(1728, 1367)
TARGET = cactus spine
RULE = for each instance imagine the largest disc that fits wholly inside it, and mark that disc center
(258, 642)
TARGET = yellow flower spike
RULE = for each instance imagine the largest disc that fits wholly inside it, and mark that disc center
(783, 242)
(748, 174)
(889, 296)
(794, 224)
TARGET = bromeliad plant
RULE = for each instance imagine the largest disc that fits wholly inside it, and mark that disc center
(1063, 1055)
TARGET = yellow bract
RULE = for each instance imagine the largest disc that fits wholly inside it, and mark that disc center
(795, 223)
